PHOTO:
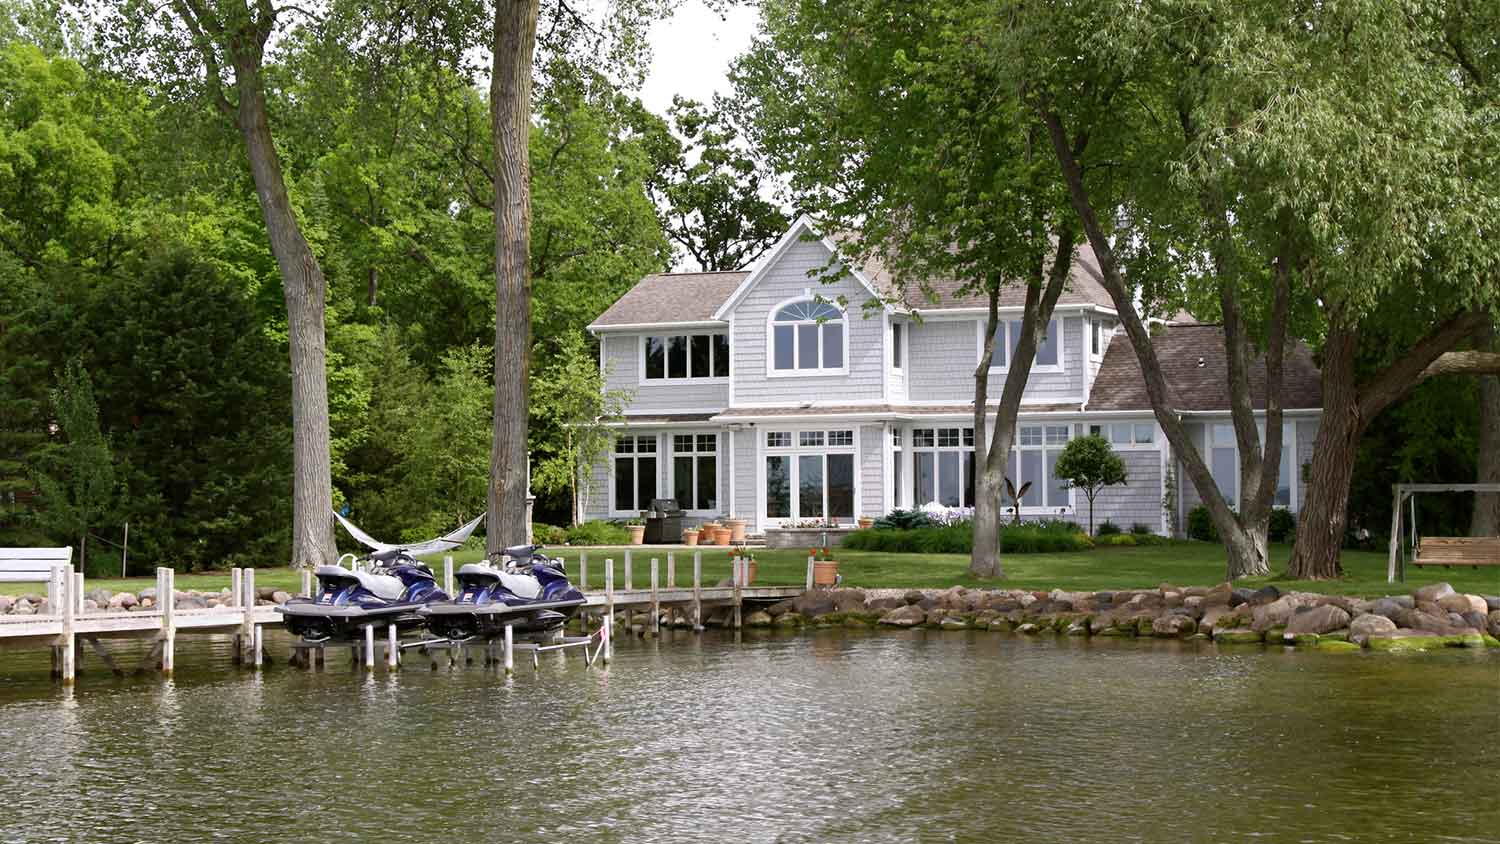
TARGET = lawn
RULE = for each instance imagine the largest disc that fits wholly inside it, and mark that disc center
(1181, 563)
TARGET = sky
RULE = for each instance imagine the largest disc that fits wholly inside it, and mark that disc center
(692, 51)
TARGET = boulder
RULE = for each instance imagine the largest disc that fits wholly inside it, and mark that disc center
(1324, 619)
(936, 615)
(1415, 619)
(264, 593)
(1494, 623)
(907, 616)
(1405, 640)
(100, 596)
(1236, 636)
(1274, 614)
(23, 607)
(1174, 625)
(1219, 616)
(759, 618)
(782, 607)
(815, 603)
(1028, 628)
(1433, 592)
(1337, 646)
(1386, 607)
(1492, 601)
(1463, 603)
(790, 619)
(882, 605)
(149, 593)
(6, 602)
(90, 605)
(192, 602)
(281, 597)
(848, 600)
(117, 601)
(1365, 626)
(913, 596)
(954, 622)
(1264, 596)
(1474, 620)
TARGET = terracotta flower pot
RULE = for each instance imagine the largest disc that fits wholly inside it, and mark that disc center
(690, 537)
(637, 534)
(721, 535)
(825, 573)
(866, 522)
(750, 571)
(736, 529)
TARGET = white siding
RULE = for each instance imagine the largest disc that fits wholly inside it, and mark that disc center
(622, 360)
(786, 279)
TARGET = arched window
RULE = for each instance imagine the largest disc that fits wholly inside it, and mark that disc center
(807, 336)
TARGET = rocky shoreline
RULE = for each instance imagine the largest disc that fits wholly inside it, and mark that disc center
(103, 600)
(1431, 617)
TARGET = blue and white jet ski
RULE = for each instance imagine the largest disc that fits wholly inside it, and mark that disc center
(525, 590)
(387, 586)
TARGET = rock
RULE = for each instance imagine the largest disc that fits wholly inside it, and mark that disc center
(1416, 619)
(1236, 637)
(849, 600)
(936, 615)
(265, 593)
(1337, 646)
(1474, 620)
(1433, 592)
(954, 622)
(1324, 619)
(99, 596)
(1219, 616)
(1493, 602)
(23, 607)
(1026, 599)
(759, 618)
(882, 605)
(1028, 628)
(1463, 603)
(6, 602)
(1386, 607)
(117, 602)
(195, 602)
(913, 596)
(1263, 596)
(790, 619)
(907, 616)
(1405, 640)
(149, 593)
(1494, 623)
(90, 605)
(782, 607)
(815, 603)
(1274, 614)
(1174, 625)
(1365, 626)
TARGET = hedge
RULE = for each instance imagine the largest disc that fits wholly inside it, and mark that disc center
(1024, 538)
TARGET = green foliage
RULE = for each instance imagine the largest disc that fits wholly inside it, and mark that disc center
(904, 520)
(598, 532)
(76, 477)
(1022, 538)
(1091, 464)
(1200, 525)
(543, 534)
(1283, 525)
(1108, 528)
(1116, 539)
(568, 397)
(1138, 529)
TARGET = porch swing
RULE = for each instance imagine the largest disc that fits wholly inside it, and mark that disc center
(1445, 551)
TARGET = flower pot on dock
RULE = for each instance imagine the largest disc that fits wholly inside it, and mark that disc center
(825, 573)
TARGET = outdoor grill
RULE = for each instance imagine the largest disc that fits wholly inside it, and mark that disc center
(663, 522)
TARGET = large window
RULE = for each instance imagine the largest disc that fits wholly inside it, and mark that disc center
(813, 479)
(1123, 434)
(695, 471)
(634, 473)
(807, 337)
(1224, 462)
(943, 466)
(1008, 336)
(685, 356)
(1033, 460)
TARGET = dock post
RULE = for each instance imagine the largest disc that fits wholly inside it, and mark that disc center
(628, 582)
(448, 575)
(809, 572)
(609, 609)
(510, 649)
(671, 570)
(698, 590)
(69, 642)
(166, 581)
(392, 652)
(307, 583)
(369, 647)
(256, 642)
(583, 571)
(247, 600)
(655, 626)
(77, 593)
(236, 592)
(739, 578)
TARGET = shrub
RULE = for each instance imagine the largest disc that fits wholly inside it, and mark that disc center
(904, 520)
(1200, 525)
(543, 534)
(1151, 539)
(598, 532)
(1283, 525)
(1022, 538)
(1141, 529)
(1108, 528)
(1116, 539)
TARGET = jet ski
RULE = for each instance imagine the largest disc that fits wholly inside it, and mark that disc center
(388, 586)
(526, 590)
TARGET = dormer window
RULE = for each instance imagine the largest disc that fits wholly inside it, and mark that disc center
(1008, 336)
(807, 338)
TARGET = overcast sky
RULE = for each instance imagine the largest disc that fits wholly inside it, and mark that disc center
(692, 50)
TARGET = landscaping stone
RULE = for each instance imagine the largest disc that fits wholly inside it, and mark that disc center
(100, 596)
(1386, 607)
(1406, 640)
(1324, 619)
(1463, 603)
(22, 607)
(1337, 646)
(1494, 623)
(150, 593)
(907, 616)
(1492, 601)
(815, 603)
(759, 618)
(1416, 619)
(954, 622)
(6, 602)
(1173, 625)
(790, 619)
(913, 596)
(848, 600)
(1236, 637)
(783, 607)
(1365, 626)
(1263, 596)
(1433, 592)
(1274, 614)
(884, 605)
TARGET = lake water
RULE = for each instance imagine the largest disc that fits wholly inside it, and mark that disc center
(828, 736)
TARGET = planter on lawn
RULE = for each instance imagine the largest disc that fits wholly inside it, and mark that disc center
(806, 537)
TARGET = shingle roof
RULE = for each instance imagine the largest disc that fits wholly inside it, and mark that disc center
(1083, 288)
(1195, 386)
(672, 297)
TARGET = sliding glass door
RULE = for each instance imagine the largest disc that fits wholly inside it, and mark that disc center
(812, 480)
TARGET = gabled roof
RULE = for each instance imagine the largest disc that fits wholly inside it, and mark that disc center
(671, 297)
(793, 235)
(1083, 288)
(1197, 373)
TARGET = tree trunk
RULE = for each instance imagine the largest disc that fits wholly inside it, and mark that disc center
(984, 560)
(510, 113)
(304, 290)
(1320, 530)
(1486, 520)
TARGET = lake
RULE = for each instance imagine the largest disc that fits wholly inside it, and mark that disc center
(826, 736)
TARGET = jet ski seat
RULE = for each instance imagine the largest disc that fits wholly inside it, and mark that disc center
(520, 552)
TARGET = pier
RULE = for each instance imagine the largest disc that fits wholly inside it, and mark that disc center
(64, 626)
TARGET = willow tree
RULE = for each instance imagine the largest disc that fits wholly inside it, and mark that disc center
(902, 141)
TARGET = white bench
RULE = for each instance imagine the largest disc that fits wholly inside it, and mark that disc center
(32, 565)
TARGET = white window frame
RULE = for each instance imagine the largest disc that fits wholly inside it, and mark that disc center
(1288, 450)
(695, 453)
(796, 450)
(898, 358)
(640, 352)
(964, 446)
(634, 457)
(1135, 443)
(821, 371)
(1096, 330)
(1045, 368)
(1044, 447)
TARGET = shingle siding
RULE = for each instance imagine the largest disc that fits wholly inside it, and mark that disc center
(944, 353)
(871, 471)
(1137, 500)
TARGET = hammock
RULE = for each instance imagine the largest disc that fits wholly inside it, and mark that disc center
(445, 542)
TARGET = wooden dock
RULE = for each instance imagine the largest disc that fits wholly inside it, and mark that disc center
(65, 624)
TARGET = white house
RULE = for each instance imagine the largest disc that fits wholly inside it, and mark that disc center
(754, 396)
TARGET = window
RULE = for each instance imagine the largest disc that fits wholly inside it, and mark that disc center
(1100, 332)
(695, 475)
(1008, 336)
(814, 479)
(897, 498)
(686, 356)
(1126, 433)
(943, 466)
(1224, 461)
(1034, 461)
(635, 473)
(896, 329)
(808, 336)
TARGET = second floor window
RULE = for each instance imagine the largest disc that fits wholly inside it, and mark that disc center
(683, 356)
(1008, 336)
(807, 336)
(896, 331)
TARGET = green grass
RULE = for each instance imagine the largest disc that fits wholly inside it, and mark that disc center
(1181, 563)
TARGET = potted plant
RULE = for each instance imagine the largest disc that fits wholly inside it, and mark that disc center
(866, 522)
(748, 556)
(736, 529)
(689, 536)
(825, 568)
(721, 535)
(637, 528)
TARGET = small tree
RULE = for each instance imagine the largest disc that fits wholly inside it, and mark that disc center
(1088, 463)
(570, 393)
(79, 488)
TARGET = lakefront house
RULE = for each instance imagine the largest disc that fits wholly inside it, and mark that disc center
(756, 396)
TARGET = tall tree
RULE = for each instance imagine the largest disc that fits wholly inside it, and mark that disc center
(1486, 517)
(77, 484)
